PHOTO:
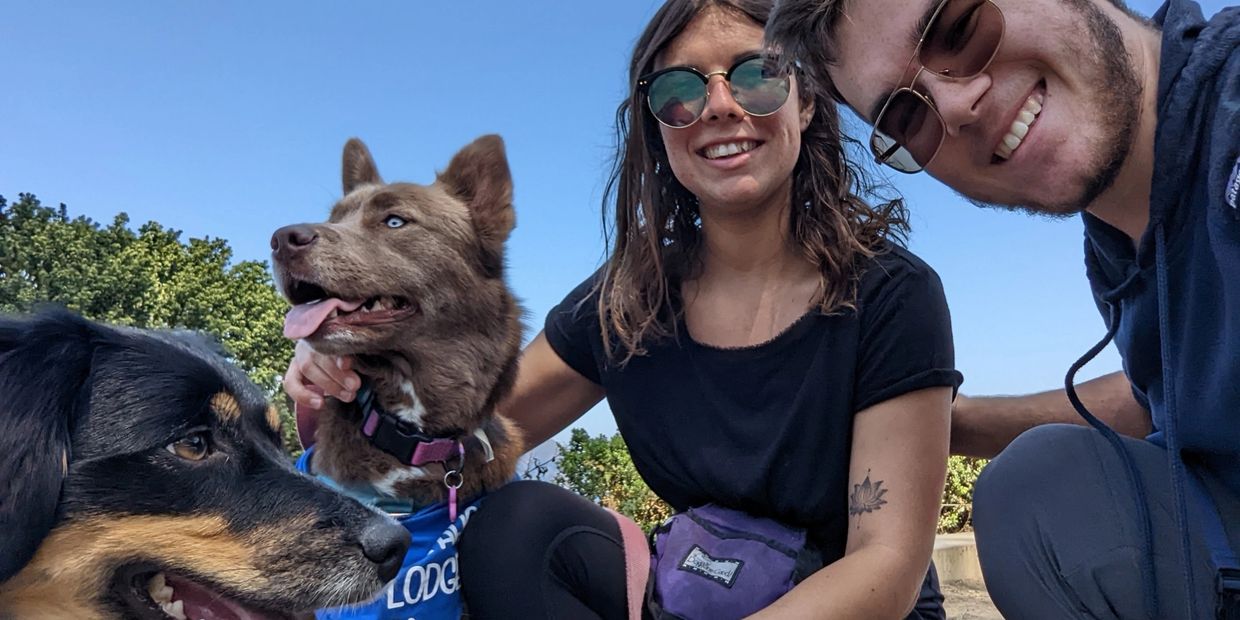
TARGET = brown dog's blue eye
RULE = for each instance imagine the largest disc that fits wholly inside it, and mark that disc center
(395, 221)
(192, 448)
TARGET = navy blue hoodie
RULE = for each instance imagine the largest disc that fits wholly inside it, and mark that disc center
(1174, 303)
(1194, 201)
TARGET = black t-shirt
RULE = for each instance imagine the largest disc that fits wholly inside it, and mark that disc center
(767, 429)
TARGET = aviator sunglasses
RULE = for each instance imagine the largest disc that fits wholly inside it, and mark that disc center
(959, 40)
(677, 95)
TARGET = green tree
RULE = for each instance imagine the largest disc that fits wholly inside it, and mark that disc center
(957, 511)
(147, 278)
(600, 469)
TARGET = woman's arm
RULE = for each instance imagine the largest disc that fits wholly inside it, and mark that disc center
(548, 394)
(897, 471)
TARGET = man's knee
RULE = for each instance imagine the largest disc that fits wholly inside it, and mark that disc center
(1037, 507)
(1037, 466)
(1039, 471)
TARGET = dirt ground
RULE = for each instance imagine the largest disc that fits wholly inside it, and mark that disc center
(966, 601)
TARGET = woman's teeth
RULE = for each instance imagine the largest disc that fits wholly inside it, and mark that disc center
(1020, 127)
(728, 149)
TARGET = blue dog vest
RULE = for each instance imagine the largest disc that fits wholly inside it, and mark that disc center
(428, 585)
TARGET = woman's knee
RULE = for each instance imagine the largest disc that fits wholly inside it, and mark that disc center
(513, 508)
(520, 521)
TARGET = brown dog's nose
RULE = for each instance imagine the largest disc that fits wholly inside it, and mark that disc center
(292, 239)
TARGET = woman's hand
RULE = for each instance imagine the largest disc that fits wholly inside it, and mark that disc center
(312, 375)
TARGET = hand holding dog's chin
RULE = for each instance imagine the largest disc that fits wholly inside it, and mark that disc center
(311, 375)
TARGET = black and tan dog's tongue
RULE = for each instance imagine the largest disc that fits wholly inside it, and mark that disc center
(199, 603)
(304, 319)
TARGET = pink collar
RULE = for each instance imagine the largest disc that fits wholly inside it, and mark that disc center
(401, 439)
(409, 444)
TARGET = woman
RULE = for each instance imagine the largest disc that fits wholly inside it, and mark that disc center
(762, 343)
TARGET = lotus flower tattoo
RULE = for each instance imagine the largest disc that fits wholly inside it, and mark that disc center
(866, 497)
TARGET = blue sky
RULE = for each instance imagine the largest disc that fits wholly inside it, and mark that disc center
(226, 119)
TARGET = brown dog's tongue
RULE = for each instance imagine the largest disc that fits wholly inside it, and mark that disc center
(305, 319)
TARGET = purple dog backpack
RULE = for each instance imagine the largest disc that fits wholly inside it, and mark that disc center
(715, 563)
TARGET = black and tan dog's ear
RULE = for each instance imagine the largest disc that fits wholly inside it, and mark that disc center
(358, 166)
(479, 175)
(44, 370)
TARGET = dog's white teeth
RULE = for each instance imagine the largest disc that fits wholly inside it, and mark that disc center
(156, 583)
(176, 609)
(159, 589)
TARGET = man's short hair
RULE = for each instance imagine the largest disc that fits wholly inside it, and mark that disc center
(803, 30)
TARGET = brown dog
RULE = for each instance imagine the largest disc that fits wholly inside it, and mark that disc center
(409, 279)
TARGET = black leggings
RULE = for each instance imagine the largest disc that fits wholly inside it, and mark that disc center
(535, 550)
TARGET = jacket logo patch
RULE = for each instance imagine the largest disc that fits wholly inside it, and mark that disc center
(1233, 185)
(721, 570)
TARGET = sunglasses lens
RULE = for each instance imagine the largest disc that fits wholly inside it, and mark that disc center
(908, 134)
(892, 154)
(758, 86)
(677, 98)
(963, 38)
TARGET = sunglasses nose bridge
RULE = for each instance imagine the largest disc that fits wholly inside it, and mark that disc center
(957, 100)
(720, 101)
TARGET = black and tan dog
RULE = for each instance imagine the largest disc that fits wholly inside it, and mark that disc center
(141, 476)
(409, 279)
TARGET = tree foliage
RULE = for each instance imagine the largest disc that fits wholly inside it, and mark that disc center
(957, 511)
(600, 469)
(147, 278)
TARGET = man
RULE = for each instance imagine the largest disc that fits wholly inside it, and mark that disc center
(1079, 106)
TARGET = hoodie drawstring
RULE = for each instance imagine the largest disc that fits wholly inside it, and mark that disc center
(1134, 478)
(1171, 421)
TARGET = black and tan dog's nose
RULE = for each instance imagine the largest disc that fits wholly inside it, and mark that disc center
(293, 239)
(385, 543)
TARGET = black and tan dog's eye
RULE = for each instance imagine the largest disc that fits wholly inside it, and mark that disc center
(395, 221)
(192, 448)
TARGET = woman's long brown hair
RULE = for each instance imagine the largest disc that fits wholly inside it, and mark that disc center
(657, 234)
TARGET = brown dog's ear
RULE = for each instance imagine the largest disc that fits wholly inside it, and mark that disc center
(44, 387)
(359, 167)
(479, 175)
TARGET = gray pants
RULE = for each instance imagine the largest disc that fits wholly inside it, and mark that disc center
(1058, 532)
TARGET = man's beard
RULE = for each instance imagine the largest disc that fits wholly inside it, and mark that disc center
(1117, 109)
